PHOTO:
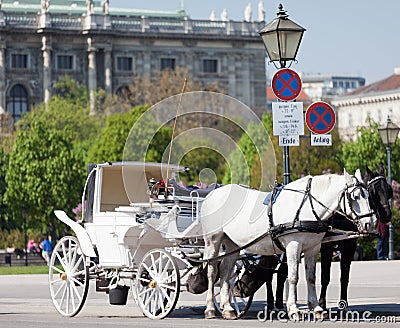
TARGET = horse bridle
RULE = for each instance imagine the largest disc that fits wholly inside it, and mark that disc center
(356, 220)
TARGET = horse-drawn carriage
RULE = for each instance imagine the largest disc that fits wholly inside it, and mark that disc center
(136, 227)
(141, 226)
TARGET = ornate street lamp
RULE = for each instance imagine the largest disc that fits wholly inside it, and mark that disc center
(282, 38)
(389, 133)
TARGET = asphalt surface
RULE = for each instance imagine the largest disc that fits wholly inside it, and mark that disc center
(374, 294)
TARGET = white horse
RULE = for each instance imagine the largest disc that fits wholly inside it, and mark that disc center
(234, 217)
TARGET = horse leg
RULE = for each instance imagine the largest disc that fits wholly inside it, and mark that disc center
(326, 261)
(269, 262)
(310, 262)
(281, 277)
(347, 251)
(293, 251)
(211, 249)
(226, 268)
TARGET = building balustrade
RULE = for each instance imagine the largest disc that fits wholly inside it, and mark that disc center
(135, 24)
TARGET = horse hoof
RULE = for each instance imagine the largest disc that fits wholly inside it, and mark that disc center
(229, 315)
(210, 314)
(294, 316)
(320, 315)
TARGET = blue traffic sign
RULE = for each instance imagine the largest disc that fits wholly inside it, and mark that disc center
(320, 118)
(286, 84)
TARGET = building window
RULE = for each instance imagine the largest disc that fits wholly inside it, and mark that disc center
(124, 63)
(19, 61)
(167, 63)
(65, 62)
(17, 102)
(210, 66)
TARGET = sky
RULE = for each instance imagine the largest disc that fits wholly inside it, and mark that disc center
(351, 37)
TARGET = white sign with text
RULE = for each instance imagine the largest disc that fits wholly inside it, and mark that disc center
(288, 118)
(289, 140)
(321, 139)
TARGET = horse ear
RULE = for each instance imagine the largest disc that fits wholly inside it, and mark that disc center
(358, 175)
(381, 170)
(348, 177)
(367, 170)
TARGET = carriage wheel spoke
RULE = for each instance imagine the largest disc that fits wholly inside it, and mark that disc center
(75, 289)
(79, 261)
(166, 296)
(166, 268)
(149, 271)
(153, 264)
(173, 288)
(52, 267)
(161, 301)
(143, 279)
(75, 281)
(61, 262)
(151, 296)
(59, 288)
(144, 291)
(56, 281)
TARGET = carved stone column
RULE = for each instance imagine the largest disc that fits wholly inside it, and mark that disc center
(2, 77)
(108, 69)
(92, 76)
(46, 49)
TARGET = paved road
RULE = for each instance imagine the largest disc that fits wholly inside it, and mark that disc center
(25, 302)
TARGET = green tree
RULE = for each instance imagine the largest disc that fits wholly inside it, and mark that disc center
(109, 146)
(44, 174)
(71, 91)
(46, 169)
(368, 149)
(199, 159)
(4, 213)
(244, 164)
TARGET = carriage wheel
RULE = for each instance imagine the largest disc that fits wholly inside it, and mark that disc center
(240, 304)
(157, 284)
(68, 277)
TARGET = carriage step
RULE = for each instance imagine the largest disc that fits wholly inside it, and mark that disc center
(102, 285)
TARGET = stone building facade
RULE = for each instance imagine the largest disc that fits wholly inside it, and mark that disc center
(102, 47)
(376, 101)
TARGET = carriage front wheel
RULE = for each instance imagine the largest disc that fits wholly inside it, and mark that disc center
(157, 284)
(68, 276)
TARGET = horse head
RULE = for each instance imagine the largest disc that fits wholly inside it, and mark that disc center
(380, 192)
(355, 203)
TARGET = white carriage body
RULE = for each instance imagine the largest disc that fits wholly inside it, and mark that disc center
(119, 211)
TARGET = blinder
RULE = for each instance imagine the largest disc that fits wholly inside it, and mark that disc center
(375, 199)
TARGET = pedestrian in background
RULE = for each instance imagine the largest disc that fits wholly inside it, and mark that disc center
(383, 237)
(47, 249)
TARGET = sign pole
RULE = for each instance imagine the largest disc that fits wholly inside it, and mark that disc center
(286, 85)
(286, 165)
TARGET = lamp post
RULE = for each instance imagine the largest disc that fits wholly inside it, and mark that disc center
(388, 134)
(282, 38)
(25, 237)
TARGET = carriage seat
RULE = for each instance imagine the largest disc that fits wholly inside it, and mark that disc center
(193, 191)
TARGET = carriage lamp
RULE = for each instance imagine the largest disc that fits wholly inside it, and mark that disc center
(282, 38)
(388, 134)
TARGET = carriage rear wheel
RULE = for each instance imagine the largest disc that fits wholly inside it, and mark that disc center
(157, 284)
(240, 304)
(68, 277)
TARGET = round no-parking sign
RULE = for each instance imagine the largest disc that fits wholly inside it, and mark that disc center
(286, 84)
(320, 118)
